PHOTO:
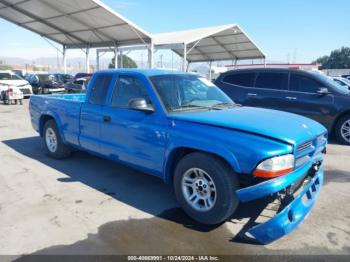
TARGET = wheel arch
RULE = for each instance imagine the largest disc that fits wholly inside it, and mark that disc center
(46, 117)
(177, 153)
(342, 114)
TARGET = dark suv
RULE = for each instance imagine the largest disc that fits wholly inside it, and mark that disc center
(306, 93)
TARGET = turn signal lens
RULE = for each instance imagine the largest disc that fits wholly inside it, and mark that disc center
(275, 166)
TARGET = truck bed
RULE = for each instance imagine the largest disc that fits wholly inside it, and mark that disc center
(65, 109)
(74, 97)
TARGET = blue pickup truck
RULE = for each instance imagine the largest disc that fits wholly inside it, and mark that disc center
(183, 129)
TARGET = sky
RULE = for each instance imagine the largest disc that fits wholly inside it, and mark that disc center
(300, 30)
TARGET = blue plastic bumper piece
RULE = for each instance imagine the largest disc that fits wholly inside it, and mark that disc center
(272, 186)
(292, 215)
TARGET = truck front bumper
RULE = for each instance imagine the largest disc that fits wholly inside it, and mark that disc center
(291, 216)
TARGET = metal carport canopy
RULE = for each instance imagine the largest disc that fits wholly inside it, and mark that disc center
(74, 23)
(227, 42)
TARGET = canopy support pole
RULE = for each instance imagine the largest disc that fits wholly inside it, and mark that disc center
(121, 59)
(64, 53)
(151, 56)
(184, 58)
(210, 63)
(116, 57)
(97, 59)
(87, 62)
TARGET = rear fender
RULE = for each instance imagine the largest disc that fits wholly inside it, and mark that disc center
(57, 120)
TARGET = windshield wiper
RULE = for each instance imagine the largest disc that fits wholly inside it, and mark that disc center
(223, 104)
(190, 107)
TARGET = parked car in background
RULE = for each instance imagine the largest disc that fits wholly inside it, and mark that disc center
(10, 79)
(20, 73)
(346, 76)
(183, 129)
(77, 86)
(342, 81)
(64, 78)
(82, 75)
(45, 84)
(10, 95)
(306, 93)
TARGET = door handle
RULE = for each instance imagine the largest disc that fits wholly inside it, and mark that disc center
(107, 119)
(291, 98)
(251, 94)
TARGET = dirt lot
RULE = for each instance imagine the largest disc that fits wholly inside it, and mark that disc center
(87, 205)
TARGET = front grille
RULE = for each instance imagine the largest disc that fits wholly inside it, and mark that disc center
(25, 91)
(304, 146)
(308, 150)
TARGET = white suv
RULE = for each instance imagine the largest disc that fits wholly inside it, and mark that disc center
(10, 79)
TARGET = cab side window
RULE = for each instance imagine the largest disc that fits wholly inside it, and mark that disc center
(300, 83)
(99, 89)
(243, 79)
(127, 89)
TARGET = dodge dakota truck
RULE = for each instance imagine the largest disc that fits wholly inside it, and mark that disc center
(183, 129)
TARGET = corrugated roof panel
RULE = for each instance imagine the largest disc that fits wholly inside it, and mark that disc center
(68, 24)
(67, 21)
(40, 27)
(14, 15)
(213, 43)
(38, 8)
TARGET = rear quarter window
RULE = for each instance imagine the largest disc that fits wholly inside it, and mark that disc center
(241, 79)
(99, 89)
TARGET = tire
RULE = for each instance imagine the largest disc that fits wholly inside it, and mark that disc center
(342, 130)
(221, 204)
(51, 138)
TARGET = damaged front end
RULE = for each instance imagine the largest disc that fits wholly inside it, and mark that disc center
(296, 193)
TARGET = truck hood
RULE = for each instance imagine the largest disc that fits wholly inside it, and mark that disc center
(18, 83)
(286, 127)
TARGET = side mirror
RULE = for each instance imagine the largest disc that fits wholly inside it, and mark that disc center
(140, 104)
(323, 91)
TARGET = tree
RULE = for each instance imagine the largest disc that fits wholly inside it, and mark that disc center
(127, 62)
(338, 59)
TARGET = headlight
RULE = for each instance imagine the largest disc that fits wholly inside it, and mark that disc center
(275, 166)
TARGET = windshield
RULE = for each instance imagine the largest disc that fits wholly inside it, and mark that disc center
(7, 76)
(331, 82)
(189, 92)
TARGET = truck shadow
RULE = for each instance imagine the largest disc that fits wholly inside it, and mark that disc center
(141, 191)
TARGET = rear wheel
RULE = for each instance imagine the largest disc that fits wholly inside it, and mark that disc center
(55, 147)
(205, 188)
(342, 130)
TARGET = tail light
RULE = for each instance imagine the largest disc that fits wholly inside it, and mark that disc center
(9, 91)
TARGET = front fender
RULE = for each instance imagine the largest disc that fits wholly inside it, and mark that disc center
(198, 146)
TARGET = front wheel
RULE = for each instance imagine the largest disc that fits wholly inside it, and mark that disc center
(205, 188)
(55, 147)
(342, 130)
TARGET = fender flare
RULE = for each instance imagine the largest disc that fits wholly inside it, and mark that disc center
(57, 120)
(219, 151)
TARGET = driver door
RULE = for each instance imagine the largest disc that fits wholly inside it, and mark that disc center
(304, 100)
(132, 136)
